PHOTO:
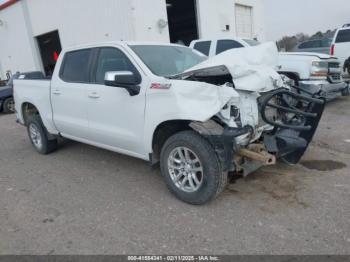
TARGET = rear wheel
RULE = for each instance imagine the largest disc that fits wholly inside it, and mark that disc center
(38, 136)
(9, 106)
(191, 168)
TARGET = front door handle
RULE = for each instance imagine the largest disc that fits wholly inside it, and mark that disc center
(56, 92)
(94, 95)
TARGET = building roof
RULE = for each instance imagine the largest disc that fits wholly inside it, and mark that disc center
(7, 4)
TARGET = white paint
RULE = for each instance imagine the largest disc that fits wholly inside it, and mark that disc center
(185, 100)
(244, 21)
(341, 50)
(16, 53)
(252, 68)
(213, 16)
(91, 21)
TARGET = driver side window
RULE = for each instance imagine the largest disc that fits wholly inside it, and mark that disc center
(112, 59)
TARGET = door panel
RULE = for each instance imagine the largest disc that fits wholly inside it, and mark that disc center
(115, 118)
(69, 94)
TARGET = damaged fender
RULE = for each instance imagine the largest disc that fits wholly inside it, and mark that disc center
(184, 100)
(222, 140)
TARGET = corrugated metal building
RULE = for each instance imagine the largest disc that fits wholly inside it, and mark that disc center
(32, 32)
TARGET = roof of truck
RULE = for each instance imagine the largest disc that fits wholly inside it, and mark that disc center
(119, 43)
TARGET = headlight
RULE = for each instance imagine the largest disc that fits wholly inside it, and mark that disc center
(319, 69)
(320, 64)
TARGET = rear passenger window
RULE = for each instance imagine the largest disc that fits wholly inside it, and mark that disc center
(110, 60)
(224, 45)
(75, 66)
(343, 36)
(203, 47)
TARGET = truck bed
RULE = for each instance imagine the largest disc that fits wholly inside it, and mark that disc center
(36, 92)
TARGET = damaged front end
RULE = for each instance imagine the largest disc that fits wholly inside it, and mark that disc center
(265, 120)
(289, 122)
(295, 121)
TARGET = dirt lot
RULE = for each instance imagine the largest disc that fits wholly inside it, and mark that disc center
(84, 200)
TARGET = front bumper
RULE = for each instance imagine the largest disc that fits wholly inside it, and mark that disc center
(323, 89)
(288, 139)
(297, 122)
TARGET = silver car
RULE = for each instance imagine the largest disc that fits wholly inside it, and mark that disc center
(315, 46)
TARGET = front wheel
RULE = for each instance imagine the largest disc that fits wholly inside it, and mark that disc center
(191, 168)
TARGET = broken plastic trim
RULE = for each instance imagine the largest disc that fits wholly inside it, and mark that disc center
(222, 139)
(207, 72)
(286, 102)
(300, 118)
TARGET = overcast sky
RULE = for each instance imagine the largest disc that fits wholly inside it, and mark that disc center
(288, 17)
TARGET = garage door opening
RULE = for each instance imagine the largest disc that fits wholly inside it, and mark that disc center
(182, 17)
(50, 48)
(244, 21)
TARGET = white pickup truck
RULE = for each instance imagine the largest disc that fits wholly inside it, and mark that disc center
(202, 120)
(315, 73)
(319, 74)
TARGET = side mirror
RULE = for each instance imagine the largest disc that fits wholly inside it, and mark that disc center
(123, 79)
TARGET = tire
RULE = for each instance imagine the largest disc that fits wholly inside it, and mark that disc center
(212, 181)
(9, 106)
(346, 92)
(39, 137)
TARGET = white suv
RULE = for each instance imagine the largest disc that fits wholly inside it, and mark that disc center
(341, 47)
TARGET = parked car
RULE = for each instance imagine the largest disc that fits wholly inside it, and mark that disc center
(200, 119)
(314, 74)
(213, 47)
(320, 46)
(341, 47)
(7, 104)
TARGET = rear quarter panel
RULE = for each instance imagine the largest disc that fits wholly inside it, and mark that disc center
(341, 50)
(36, 92)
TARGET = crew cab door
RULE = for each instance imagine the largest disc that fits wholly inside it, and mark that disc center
(69, 94)
(116, 119)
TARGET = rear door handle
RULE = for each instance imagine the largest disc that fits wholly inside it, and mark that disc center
(56, 92)
(94, 95)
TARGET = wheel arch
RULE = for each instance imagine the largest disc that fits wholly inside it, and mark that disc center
(28, 109)
(163, 132)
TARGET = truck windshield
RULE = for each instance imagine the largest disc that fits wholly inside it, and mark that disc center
(168, 60)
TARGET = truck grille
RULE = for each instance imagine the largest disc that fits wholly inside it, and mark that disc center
(333, 65)
(335, 77)
(334, 71)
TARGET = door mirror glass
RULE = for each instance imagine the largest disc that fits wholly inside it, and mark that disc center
(123, 79)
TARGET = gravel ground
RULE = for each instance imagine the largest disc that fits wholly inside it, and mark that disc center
(84, 200)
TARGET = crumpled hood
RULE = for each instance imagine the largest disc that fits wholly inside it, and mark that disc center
(252, 68)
